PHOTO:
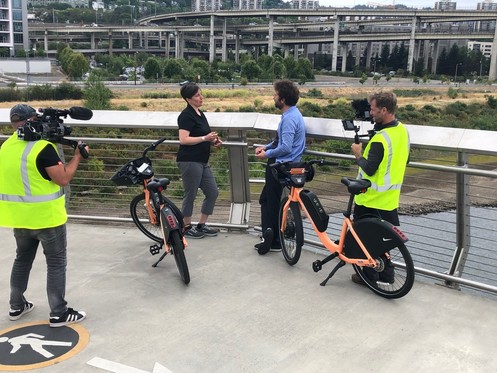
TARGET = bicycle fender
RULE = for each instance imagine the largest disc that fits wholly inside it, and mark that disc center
(378, 236)
(169, 222)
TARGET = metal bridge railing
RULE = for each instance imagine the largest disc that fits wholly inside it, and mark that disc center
(448, 202)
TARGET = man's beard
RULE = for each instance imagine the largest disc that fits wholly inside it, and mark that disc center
(278, 105)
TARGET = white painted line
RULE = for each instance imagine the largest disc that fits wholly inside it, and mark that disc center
(158, 368)
(111, 366)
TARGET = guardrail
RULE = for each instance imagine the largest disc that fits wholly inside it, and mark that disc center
(448, 203)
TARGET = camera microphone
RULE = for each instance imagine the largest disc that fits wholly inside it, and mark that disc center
(80, 113)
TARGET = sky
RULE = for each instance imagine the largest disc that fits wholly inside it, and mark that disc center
(461, 4)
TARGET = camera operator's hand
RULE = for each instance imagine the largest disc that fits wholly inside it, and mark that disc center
(82, 149)
(356, 150)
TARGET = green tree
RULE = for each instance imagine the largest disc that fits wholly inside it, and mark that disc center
(172, 68)
(152, 69)
(251, 70)
(78, 65)
(96, 95)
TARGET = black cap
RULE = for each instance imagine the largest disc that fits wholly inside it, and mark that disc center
(21, 112)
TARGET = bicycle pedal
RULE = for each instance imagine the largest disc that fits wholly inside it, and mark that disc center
(155, 249)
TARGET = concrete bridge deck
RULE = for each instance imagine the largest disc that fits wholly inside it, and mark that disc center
(248, 313)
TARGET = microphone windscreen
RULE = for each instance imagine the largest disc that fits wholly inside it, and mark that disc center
(81, 113)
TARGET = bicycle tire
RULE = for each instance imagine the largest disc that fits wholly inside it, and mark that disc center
(403, 268)
(140, 217)
(292, 238)
(178, 251)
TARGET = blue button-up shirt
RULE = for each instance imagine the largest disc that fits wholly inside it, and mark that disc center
(291, 137)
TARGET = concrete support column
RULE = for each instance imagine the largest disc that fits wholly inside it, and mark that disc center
(344, 48)
(358, 54)
(334, 57)
(426, 54)
(271, 36)
(109, 37)
(224, 52)
(434, 57)
(212, 42)
(237, 48)
(92, 41)
(168, 44)
(45, 41)
(410, 57)
(177, 52)
(130, 40)
(369, 53)
(493, 59)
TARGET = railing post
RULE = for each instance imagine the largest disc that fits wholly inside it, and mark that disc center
(239, 178)
(463, 228)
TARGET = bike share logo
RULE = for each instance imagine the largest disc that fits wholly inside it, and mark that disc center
(36, 345)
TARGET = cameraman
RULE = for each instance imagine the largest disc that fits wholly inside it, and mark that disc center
(33, 203)
(383, 163)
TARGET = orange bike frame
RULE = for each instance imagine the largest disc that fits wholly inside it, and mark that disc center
(331, 246)
(153, 217)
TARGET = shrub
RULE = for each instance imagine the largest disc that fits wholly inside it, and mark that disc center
(452, 93)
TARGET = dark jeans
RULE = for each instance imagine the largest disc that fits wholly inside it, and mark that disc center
(54, 242)
(270, 203)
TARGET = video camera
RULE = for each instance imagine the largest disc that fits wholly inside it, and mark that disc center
(49, 126)
(362, 112)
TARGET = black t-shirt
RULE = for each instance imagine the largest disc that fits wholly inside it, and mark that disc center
(48, 157)
(198, 126)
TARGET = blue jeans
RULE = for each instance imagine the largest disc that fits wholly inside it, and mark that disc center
(54, 243)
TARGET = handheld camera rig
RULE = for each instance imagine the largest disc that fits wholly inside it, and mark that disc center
(362, 110)
(50, 126)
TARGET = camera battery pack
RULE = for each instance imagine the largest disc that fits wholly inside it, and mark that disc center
(315, 209)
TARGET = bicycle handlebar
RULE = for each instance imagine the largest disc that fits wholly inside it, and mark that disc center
(153, 146)
(319, 162)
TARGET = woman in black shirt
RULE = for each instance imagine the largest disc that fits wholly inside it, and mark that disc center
(196, 138)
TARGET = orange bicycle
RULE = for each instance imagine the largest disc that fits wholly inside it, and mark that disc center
(365, 242)
(153, 213)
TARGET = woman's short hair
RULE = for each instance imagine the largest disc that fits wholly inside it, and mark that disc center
(287, 90)
(189, 90)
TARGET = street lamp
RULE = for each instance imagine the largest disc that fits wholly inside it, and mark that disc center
(455, 75)
(481, 65)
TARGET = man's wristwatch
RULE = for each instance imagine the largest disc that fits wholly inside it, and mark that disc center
(203, 138)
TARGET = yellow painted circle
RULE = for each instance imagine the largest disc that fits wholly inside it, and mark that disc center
(83, 339)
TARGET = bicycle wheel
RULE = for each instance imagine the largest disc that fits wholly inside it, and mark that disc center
(140, 217)
(292, 237)
(396, 279)
(178, 251)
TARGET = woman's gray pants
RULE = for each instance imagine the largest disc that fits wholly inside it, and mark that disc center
(197, 175)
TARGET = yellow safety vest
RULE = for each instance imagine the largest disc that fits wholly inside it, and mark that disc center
(27, 200)
(386, 182)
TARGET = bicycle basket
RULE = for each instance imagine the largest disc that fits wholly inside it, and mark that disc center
(134, 172)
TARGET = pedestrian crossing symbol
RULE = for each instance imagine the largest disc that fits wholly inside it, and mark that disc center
(36, 345)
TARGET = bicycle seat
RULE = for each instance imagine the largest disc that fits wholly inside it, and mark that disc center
(356, 186)
(155, 184)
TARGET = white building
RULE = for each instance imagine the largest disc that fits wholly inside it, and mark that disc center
(249, 4)
(445, 5)
(206, 5)
(14, 25)
(305, 4)
(484, 47)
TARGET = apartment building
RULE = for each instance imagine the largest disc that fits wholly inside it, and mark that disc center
(206, 5)
(14, 25)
